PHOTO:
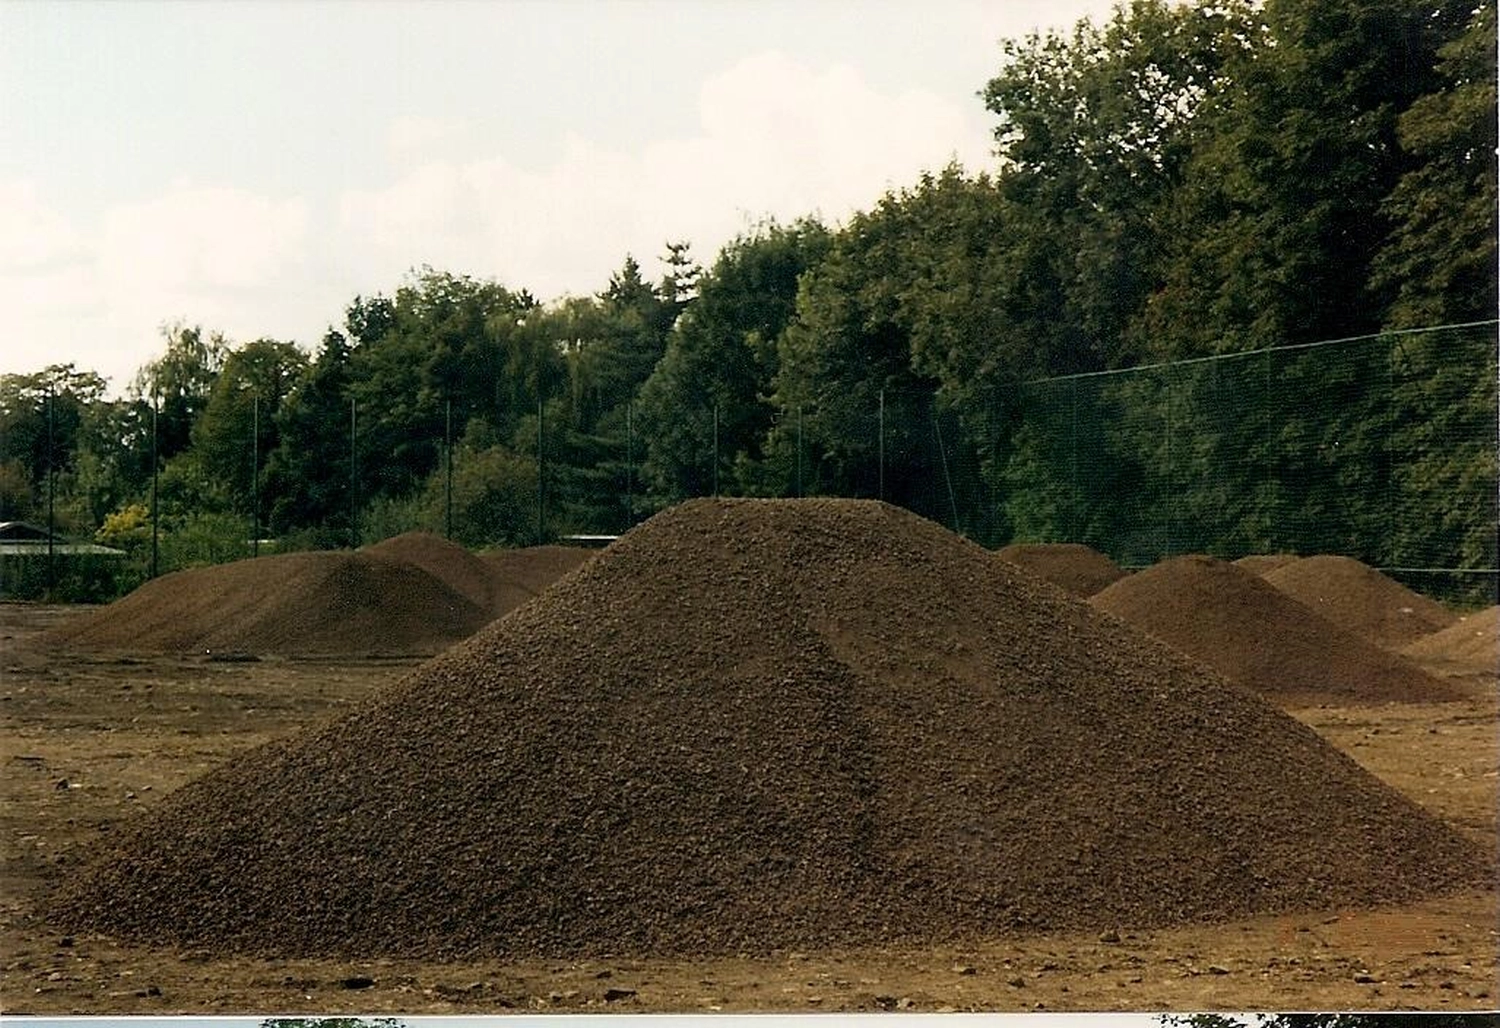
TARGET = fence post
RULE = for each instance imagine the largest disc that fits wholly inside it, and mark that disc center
(51, 489)
(353, 480)
(448, 464)
(799, 450)
(155, 548)
(255, 475)
(880, 444)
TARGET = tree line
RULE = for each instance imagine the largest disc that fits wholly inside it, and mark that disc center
(1176, 182)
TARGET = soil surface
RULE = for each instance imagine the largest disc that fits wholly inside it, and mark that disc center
(1262, 563)
(754, 725)
(92, 744)
(1361, 599)
(1470, 644)
(1259, 637)
(1079, 569)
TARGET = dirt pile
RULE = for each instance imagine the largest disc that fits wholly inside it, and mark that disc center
(527, 571)
(446, 561)
(294, 603)
(1261, 563)
(1260, 638)
(1079, 569)
(1471, 642)
(1361, 599)
(753, 724)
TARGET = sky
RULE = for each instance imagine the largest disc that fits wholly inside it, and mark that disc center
(251, 166)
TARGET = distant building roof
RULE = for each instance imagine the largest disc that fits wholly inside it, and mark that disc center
(23, 539)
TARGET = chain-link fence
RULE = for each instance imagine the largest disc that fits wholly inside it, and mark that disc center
(1380, 448)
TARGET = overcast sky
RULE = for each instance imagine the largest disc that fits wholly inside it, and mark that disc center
(253, 166)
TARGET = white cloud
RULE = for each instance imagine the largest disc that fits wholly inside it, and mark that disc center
(97, 294)
(775, 138)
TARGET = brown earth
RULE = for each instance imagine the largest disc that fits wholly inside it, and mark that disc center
(1260, 638)
(759, 725)
(1081, 570)
(534, 568)
(1471, 643)
(294, 603)
(1261, 563)
(89, 744)
(446, 561)
(1361, 599)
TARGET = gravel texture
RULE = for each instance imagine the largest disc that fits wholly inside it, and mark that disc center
(1259, 637)
(752, 725)
(1079, 569)
(1361, 599)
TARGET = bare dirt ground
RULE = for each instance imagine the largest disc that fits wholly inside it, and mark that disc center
(86, 742)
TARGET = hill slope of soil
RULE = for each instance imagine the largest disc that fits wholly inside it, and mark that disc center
(759, 724)
(316, 603)
(1361, 599)
(522, 573)
(1260, 638)
(1472, 641)
(446, 561)
(1079, 569)
(1262, 563)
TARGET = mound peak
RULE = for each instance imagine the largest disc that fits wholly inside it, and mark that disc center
(1257, 636)
(1473, 641)
(1361, 599)
(315, 603)
(444, 560)
(752, 724)
(1261, 563)
(1079, 569)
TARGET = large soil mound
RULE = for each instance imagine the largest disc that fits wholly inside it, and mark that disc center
(293, 603)
(446, 561)
(755, 724)
(1472, 641)
(1260, 638)
(527, 571)
(1361, 599)
(1262, 563)
(1079, 569)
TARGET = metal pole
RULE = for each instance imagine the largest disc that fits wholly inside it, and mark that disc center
(716, 450)
(541, 483)
(51, 489)
(255, 476)
(881, 444)
(629, 464)
(155, 401)
(799, 449)
(448, 460)
(353, 481)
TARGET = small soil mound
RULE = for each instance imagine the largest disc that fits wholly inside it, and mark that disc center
(1264, 563)
(1260, 638)
(446, 561)
(295, 604)
(1361, 599)
(1079, 569)
(521, 574)
(760, 724)
(1472, 642)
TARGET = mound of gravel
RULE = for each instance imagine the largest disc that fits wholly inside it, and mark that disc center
(1261, 563)
(1361, 599)
(1079, 569)
(527, 571)
(752, 724)
(1473, 641)
(1260, 638)
(347, 604)
(446, 561)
